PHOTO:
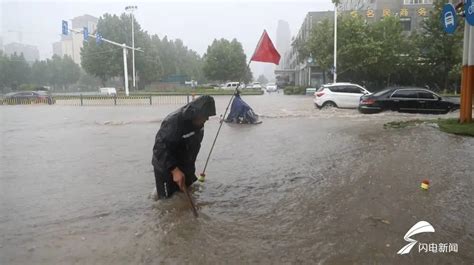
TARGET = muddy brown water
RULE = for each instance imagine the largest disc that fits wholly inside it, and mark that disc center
(304, 187)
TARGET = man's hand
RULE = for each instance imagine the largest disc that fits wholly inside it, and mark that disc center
(179, 178)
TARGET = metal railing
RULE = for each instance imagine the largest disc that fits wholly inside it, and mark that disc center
(26, 101)
(82, 100)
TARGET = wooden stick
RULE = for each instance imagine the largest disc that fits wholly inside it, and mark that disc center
(195, 213)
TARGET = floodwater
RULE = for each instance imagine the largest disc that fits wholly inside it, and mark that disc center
(304, 187)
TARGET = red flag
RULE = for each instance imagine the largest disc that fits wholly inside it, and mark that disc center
(265, 51)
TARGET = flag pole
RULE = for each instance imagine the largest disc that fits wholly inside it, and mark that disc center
(258, 47)
(203, 174)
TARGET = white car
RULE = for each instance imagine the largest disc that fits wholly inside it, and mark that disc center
(230, 85)
(109, 91)
(256, 85)
(271, 87)
(339, 95)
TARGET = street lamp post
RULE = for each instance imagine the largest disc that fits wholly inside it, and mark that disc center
(131, 9)
(125, 70)
(309, 63)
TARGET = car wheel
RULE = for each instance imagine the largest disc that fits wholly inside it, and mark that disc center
(329, 105)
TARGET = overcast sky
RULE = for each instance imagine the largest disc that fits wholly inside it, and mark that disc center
(196, 22)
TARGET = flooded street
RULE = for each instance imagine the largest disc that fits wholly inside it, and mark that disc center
(304, 187)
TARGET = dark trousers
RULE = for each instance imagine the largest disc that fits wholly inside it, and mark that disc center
(165, 186)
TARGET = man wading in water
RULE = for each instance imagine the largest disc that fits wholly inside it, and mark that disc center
(177, 145)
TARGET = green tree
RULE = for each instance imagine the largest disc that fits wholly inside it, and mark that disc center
(152, 69)
(380, 54)
(105, 60)
(225, 61)
(367, 53)
(16, 71)
(62, 72)
(357, 49)
(174, 58)
(39, 73)
(57, 72)
(161, 57)
(88, 81)
(388, 53)
(439, 52)
(70, 72)
(4, 61)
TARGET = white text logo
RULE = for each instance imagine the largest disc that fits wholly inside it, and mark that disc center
(425, 227)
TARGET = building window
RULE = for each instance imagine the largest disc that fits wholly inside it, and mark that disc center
(406, 23)
(422, 12)
(404, 12)
(417, 2)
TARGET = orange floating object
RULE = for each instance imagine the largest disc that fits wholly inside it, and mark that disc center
(425, 184)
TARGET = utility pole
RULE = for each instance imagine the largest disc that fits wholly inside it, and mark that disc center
(467, 77)
(125, 68)
(131, 9)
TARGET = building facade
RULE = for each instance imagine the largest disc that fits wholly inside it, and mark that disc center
(30, 52)
(71, 44)
(283, 39)
(411, 12)
(293, 71)
(57, 48)
(307, 73)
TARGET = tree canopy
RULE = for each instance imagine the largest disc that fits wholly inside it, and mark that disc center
(379, 54)
(226, 61)
(161, 57)
(56, 72)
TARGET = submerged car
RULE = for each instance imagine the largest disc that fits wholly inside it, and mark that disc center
(407, 99)
(29, 97)
(339, 95)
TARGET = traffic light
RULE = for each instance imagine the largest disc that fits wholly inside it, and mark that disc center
(65, 27)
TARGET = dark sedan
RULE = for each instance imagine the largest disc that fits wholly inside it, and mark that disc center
(29, 97)
(406, 99)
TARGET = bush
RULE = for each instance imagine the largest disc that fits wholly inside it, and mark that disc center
(296, 90)
(288, 90)
(301, 91)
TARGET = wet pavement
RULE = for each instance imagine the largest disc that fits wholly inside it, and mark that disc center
(304, 187)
